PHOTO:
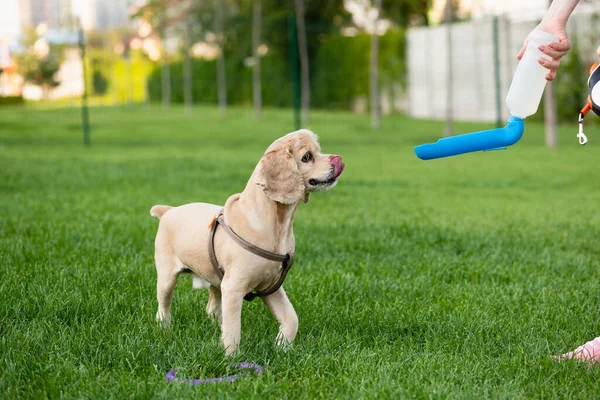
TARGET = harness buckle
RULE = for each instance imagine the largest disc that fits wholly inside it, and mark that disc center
(212, 221)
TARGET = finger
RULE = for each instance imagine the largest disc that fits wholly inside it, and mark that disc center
(522, 51)
(550, 64)
(555, 54)
(562, 45)
(551, 75)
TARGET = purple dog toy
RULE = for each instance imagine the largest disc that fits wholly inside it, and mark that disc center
(230, 378)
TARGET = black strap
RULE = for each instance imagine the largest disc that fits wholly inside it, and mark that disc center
(287, 260)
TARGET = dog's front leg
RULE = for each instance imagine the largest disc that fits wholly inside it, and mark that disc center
(213, 307)
(231, 306)
(284, 312)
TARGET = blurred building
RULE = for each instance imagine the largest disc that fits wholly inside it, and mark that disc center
(101, 14)
(55, 23)
(55, 14)
(58, 14)
(10, 80)
(516, 10)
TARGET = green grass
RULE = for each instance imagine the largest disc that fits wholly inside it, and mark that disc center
(455, 278)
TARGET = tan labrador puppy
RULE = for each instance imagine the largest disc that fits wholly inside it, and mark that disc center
(263, 214)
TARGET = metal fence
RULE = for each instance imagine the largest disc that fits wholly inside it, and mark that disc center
(483, 61)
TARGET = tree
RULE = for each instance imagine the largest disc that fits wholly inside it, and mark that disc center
(221, 83)
(304, 68)
(40, 62)
(238, 28)
(374, 70)
(550, 112)
(156, 13)
(407, 12)
(99, 81)
(256, 78)
(187, 67)
(165, 73)
(550, 116)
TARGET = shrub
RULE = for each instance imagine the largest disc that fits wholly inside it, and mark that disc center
(11, 100)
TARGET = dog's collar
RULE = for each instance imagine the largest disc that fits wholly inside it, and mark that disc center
(286, 260)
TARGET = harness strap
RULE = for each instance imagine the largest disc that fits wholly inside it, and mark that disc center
(286, 260)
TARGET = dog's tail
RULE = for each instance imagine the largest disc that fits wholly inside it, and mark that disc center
(158, 211)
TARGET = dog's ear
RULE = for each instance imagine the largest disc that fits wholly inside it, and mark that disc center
(281, 180)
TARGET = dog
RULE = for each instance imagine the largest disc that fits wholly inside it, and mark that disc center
(262, 215)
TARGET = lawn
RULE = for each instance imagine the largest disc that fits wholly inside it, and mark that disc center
(453, 278)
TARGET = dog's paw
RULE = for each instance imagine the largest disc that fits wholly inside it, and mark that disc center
(232, 350)
(283, 343)
(164, 321)
(215, 317)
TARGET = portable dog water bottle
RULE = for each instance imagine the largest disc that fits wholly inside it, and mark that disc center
(593, 100)
(522, 100)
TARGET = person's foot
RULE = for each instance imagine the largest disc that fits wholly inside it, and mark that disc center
(589, 352)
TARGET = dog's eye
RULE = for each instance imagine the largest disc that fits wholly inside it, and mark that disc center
(307, 157)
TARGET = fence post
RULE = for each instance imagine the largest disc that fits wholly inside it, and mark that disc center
(147, 72)
(295, 75)
(187, 67)
(450, 78)
(374, 71)
(497, 72)
(550, 111)
(221, 73)
(85, 120)
(128, 56)
(165, 77)
(256, 74)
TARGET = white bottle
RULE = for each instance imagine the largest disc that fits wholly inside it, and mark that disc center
(529, 81)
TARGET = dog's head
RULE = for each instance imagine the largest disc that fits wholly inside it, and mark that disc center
(293, 167)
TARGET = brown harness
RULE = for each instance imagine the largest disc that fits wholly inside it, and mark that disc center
(286, 260)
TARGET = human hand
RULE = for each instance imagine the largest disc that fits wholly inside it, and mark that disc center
(556, 50)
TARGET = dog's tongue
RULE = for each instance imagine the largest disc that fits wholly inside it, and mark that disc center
(338, 169)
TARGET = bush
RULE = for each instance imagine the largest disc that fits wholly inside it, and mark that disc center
(11, 100)
(571, 87)
(339, 73)
(116, 78)
(276, 85)
(342, 68)
(99, 83)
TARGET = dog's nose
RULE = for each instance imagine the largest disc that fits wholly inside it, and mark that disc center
(335, 160)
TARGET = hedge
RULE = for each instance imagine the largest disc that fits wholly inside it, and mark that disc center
(11, 100)
(339, 73)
